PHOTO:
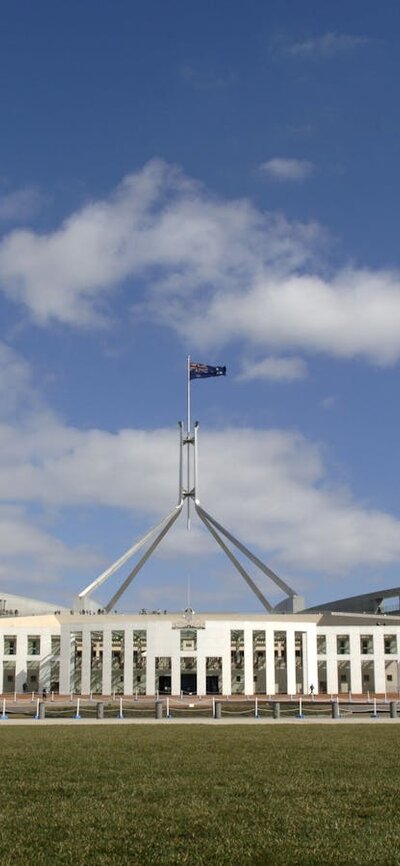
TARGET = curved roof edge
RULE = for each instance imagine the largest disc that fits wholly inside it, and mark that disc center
(367, 602)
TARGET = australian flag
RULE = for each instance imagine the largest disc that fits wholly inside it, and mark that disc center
(204, 371)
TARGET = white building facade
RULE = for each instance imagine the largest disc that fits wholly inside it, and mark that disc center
(227, 654)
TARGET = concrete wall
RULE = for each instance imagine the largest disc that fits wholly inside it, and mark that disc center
(366, 662)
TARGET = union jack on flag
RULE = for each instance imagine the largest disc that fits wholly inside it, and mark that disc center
(204, 371)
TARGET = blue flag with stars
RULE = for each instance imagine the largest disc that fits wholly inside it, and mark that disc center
(204, 371)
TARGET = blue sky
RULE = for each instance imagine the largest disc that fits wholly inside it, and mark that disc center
(210, 179)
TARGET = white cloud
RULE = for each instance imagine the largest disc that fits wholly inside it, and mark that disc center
(272, 488)
(30, 554)
(354, 314)
(275, 369)
(325, 46)
(212, 270)
(15, 380)
(20, 205)
(157, 224)
(269, 487)
(329, 402)
(283, 168)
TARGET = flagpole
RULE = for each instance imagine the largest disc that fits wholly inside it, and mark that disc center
(180, 491)
(195, 469)
(189, 424)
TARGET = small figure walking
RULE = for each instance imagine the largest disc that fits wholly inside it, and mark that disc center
(311, 690)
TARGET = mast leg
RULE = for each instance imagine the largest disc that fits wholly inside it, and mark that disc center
(128, 554)
(242, 571)
(128, 580)
(245, 550)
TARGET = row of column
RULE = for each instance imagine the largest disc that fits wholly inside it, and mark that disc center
(355, 659)
(221, 648)
(43, 660)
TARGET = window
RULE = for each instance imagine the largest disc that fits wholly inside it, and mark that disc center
(10, 645)
(117, 660)
(214, 663)
(366, 644)
(343, 644)
(390, 644)
(163, 663)
(321, 644)
(33, 645)
(188, 639)
(237, 655)
(139, 649)
(280, 645)
(259, 641)
(55, 644)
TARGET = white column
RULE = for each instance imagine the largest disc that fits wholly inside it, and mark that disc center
(107, 650)
(151, 651)
(175, 674)
(306, 673)
(226, 664)
(86, 661)
(396, 684)
(355, 663)
(331, 663)
(201, 675)
(20, 662)
(379, 661)
(259, 685)
(65, 661)
(150, 675)
(248, 662)
(128, 661)
(45, 656)
(2, 658)
(310, 661)
(270, 660)
(290, 662)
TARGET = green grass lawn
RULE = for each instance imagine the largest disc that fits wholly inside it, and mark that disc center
(264, 796)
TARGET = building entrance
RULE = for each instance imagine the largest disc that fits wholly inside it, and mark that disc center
(8, 677)
(189, 684)
(164, 684)
(212, 685)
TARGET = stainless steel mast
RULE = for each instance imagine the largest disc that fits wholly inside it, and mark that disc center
(216, 529)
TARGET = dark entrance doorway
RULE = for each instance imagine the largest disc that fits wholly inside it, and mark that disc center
(189, 684)
(212, 687)
(164, 685)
